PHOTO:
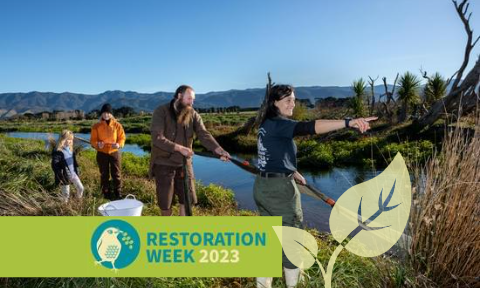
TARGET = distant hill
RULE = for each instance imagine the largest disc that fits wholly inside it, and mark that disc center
(34, 102)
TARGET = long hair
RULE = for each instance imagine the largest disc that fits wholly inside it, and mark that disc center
(181, 90)
(277, 93)
(64, 136)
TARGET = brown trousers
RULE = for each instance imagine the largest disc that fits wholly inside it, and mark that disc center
(169, 182)
(110, 164)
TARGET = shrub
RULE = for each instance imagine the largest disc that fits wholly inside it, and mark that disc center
(413, 152)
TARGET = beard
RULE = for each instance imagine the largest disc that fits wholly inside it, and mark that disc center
(185, 114)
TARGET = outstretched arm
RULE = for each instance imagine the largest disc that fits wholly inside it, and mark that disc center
(325, 126)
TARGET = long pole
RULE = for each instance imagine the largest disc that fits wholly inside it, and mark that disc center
(186, 182)
(82, 139)
(304, 189)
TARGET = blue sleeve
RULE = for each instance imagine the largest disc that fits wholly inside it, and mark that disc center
(304, 128)
(285, 128)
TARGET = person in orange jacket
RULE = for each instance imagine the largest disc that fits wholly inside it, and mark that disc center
(107, 137)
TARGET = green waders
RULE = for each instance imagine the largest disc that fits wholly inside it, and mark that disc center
(279, 197)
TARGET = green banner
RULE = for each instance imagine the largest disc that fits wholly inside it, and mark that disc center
(140, 247)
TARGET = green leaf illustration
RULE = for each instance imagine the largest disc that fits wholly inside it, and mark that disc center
(374, 214)
(298, 245)
(368, 219)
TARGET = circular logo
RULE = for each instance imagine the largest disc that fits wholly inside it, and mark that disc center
(115, 244)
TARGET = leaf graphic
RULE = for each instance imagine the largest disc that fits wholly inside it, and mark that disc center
(298, 245)
(371, 217)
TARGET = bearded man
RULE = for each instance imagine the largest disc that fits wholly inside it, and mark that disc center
(172, 130)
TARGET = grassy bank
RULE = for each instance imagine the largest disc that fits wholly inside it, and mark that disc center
(27, 183)
(344, 148)
(27, 188)
(134, 124)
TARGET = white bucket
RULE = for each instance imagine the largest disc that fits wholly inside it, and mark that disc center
(129, 206)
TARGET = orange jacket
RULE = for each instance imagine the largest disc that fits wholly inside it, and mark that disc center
(108, 134)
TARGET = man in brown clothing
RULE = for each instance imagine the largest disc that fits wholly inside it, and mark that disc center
(172, 129)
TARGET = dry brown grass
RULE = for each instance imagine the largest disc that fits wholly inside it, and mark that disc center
(445, 218)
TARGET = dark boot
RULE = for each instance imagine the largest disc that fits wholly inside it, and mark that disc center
(107, 195)
(117, 195)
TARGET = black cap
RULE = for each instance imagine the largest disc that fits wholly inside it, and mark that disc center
(106, 108)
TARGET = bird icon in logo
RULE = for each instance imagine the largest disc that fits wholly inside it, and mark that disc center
(115, 244)
(109, 247)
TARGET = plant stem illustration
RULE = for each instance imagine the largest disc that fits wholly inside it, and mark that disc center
(382, 229)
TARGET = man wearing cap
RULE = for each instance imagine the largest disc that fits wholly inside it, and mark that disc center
(172, 129)
(107, 137)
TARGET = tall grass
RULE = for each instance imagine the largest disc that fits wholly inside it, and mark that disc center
(445, 218)
(27, 188)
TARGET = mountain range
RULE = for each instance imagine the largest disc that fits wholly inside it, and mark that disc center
(35, 102)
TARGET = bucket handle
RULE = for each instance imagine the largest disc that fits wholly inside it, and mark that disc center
(108, 205)
(130, 195)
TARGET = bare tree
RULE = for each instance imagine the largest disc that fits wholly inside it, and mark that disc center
(372, 86)
(255, 122)
(462, 98)
(389, 105)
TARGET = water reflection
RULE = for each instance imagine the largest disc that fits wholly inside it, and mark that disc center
(132, 148)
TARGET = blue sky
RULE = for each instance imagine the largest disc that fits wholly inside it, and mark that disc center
(148, 46)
